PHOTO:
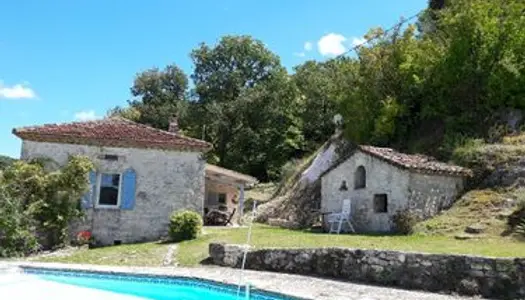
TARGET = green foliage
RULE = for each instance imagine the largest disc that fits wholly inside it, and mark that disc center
(247, 104)
(453, 78)
(16, 226)
(5, 161)
(185, 225)
(130, 113)
(427, 87)
(159, 95)
(404, 222)
(318, 85)
(47, 200)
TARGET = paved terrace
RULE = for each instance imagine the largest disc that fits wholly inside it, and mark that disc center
(26, 287)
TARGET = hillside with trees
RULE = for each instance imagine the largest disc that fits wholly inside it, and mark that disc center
(452, 74)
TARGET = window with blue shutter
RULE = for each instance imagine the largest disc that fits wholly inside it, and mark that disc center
(87, 199)
(129, 183)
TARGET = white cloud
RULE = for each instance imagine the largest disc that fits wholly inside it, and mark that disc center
(300, 54)
(331, 44)
(308, 46)
(86, 115)
(358, 41)
(17, 91)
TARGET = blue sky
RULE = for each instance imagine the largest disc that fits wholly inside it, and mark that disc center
(66, 60)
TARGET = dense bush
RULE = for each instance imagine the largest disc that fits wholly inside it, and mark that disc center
(35, 203)
(185, 225)
(16, 228)
(404, 221)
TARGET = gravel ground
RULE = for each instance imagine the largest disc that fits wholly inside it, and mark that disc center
(294, 285)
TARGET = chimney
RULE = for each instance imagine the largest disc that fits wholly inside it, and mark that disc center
(174, 125)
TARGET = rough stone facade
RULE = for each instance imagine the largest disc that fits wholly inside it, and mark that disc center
(166, 181)
(502, 278)
(430, 194)
(423, 194)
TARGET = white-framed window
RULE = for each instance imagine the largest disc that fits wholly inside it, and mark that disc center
(108, 190)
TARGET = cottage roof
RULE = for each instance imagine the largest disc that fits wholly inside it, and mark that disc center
(218, 173)
(412, 162)
(110, 132)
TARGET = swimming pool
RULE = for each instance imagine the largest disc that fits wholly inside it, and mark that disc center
(154, 287)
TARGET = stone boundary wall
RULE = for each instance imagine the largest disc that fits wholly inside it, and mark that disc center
(502, 278)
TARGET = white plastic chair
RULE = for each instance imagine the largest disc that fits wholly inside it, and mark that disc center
(336, 220)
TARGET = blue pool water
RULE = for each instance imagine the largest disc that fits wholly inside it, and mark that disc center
(151, 287)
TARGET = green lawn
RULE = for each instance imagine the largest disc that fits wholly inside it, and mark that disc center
(146, 254)
(190, 253)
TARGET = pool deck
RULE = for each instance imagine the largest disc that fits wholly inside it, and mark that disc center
(293, 285)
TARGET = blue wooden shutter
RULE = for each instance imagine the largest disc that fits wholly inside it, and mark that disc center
(87, 199)
(129, 182)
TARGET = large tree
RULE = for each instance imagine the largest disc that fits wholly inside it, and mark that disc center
(158, 96)
(428, 91)
(321, 85)
(232, 79)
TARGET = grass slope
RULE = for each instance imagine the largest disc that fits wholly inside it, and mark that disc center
(487, 208)
(191, 253)
(497, 169)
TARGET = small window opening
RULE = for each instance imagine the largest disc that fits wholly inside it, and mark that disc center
(117, 242)
(222, 198)
(380, 203)
(360, 178)
(110, 157)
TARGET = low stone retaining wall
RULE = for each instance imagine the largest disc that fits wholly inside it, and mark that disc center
(502, 278)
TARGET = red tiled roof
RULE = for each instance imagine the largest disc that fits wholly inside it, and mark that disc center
(417, 162)
(111, 132)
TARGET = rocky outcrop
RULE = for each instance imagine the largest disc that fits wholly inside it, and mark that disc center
(502, 278)
(297, 205)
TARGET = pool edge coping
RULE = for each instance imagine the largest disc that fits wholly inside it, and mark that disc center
(147, 271)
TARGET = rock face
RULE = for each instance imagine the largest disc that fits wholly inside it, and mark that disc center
(502, 278)
(299, 207)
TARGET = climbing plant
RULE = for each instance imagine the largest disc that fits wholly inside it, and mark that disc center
(41, 202)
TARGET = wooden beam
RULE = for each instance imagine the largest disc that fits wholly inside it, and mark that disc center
(241, 202)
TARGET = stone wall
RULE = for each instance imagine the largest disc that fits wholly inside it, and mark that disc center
(422, 194)
(502, 278)
(166, 181)
(381, 178)
(430, 194)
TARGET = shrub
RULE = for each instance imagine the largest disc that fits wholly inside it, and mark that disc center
(16, 228)
(404, 221)
(47, 200)
(185, 225)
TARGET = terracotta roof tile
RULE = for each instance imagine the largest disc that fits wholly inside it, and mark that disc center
(416, 162)
(111, 132)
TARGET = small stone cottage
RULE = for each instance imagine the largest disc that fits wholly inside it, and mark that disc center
(141, 175)
(380, 181)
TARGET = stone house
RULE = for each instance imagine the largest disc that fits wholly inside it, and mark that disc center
(380, 181)
(141, 175)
